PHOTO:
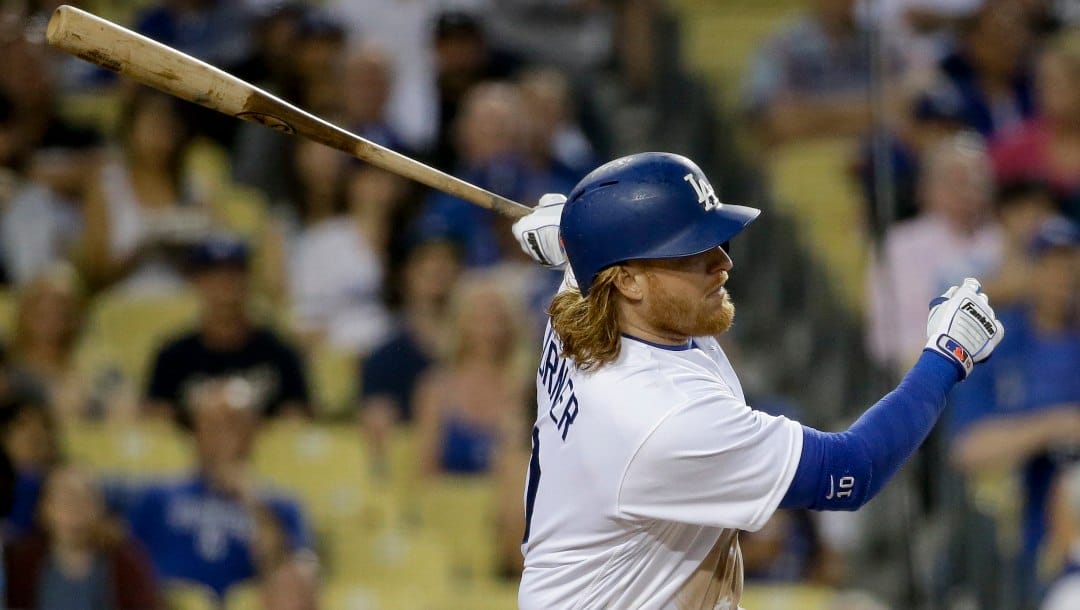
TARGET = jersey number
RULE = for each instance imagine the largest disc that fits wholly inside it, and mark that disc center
(534, 482)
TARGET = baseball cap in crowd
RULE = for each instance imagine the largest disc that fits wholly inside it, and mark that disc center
(1056, 232)
(219, 251)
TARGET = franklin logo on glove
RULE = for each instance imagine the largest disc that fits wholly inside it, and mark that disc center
(970, 308)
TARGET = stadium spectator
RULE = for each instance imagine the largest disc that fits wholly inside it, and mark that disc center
(576, 36)
(317, 189)
(812, 78)
(985, 78)
(216, 31)
(227, 343)
(140, 211)
(38, 225)
(80, 559)
(1022, 411)
(555, 142)
(1047, 146)
(788, 549)
(463, 59)
(319, 63)
(953, 237)
(1022, 207)
(48, 148)
(491, 141)
(404, 31)
(275, 30)
(469, 406)
(1064, 592)
(389, 376)
(47, 325)
(260, 157)
(216, 527)
(31, 442)
(337, 265)
(369, 80)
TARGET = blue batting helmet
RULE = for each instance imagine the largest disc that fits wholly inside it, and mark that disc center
(648, 205)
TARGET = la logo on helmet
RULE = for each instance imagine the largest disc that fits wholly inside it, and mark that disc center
(706, 196)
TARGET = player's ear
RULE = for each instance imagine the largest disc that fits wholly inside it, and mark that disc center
(630, 282)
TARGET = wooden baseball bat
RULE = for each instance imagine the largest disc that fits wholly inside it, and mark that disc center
(151, 63)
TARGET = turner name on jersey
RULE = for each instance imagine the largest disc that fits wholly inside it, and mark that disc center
(554, 376)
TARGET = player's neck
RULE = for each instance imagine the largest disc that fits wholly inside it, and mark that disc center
(638, 328)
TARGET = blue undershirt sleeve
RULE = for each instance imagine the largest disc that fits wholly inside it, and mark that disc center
(844, 470)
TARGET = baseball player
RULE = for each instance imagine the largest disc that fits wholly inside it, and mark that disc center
(646, 459)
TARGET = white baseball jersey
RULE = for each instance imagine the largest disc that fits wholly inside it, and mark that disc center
(642, 473)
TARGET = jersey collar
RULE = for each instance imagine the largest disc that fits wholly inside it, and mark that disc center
(671, 348)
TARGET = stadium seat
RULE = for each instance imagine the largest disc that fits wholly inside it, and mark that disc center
(457, 509)
(483, 596)
(346, 596)
(334, 377)
(786, 597)
(243, 596)
(387, 559)
(124, 332)
(811, 179)
(184, 595)
(139, 449)
(325, 466)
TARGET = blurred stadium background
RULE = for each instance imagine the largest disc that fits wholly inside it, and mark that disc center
(241, 371)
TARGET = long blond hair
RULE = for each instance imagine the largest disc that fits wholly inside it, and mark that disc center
(588, 327)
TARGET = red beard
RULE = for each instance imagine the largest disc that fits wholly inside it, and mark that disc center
(691, 317)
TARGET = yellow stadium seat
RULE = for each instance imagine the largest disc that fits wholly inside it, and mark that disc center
(125, 331)
(387, 559)
(483, 596)
(811, 179)
(99, 109)
(7, 314)
(149, 447)
(334, 376)
(184, 595)
(460, 513)
(786, 597)
(325, 466)
(243, 596)
(401, 468)
(350, 596)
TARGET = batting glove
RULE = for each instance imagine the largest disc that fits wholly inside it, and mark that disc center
(538, 233)
(962, 326)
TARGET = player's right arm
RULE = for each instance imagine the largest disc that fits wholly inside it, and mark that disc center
(844, 470)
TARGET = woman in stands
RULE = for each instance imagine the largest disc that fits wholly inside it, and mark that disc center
(470, 405)
(141, 211)
(48, 320)
(79, 559)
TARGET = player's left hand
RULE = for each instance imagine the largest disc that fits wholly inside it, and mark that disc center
(962, 326)
(538, 233)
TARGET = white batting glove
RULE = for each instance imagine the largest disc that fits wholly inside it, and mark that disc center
(962, 326)
(538, 233)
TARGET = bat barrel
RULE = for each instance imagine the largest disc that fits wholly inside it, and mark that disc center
(151, 63)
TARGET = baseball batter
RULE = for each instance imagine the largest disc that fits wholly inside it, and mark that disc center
(646, 459)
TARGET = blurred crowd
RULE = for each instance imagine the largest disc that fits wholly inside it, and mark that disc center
(964, 126)
(170, 268)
